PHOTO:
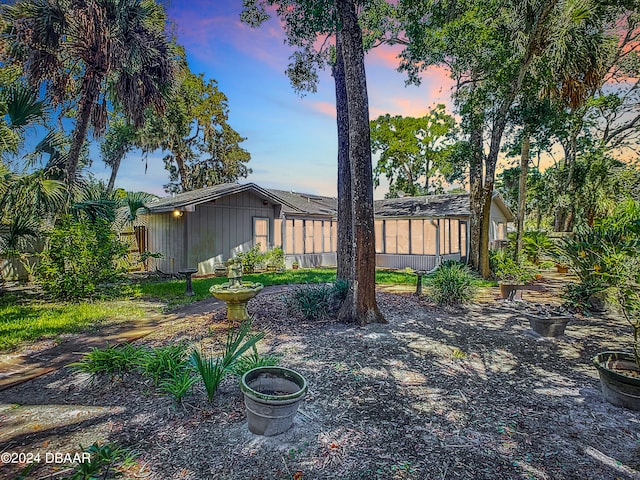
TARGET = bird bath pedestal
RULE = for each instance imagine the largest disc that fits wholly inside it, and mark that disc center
(236, 293)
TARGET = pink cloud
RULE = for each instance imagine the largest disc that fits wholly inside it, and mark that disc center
(325, 108)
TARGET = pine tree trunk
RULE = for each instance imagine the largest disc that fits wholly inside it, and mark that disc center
(345, 270)
(360, 305)
(522, 192)
(90, 90)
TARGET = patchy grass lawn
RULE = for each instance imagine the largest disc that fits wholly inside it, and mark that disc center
(465, 393)
(22, 321)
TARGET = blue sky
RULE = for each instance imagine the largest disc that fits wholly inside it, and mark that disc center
(292, 140)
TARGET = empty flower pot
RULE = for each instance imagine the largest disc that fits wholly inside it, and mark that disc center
(272, 396)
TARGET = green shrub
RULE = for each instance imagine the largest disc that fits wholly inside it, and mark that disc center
(110, 360)
(178, 384)
(577, 296)
(213, 370)
(317, 302)
(535, 245)
(275, 258)
(507, 269)
(80, 256)
(251, 259)
(451, 283)
(254, 360)
(162, 362)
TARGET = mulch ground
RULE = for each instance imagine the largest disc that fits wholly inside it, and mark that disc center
(465, 393)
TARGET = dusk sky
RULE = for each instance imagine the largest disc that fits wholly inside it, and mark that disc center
(292, 140)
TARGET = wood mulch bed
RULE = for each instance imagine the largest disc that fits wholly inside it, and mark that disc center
(463, 393)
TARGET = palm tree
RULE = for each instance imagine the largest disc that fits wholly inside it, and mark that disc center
(89, 52)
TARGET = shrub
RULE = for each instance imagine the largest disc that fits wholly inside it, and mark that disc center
(162, 362)
(178, 384)
(213, 370)
(535, 245)
(110, 360)
(275, 258)
(317, 302)
(80, 256)
(251, 259)
(254, 360)
(452, 283)
(507, 269)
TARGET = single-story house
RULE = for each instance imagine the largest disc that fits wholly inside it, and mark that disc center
(205, 227)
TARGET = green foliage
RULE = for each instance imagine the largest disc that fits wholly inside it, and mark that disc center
(535, 245)
(275, 258)
(28, 321)
(106, 461)
(452, 283)
(317, 302)
(251, 361)
(163, 362)
(251, 259)
(80, 256)
(113, 360)
(577, 296)
(213, 370)
(178, 383)
(507, 269)
(412, 149)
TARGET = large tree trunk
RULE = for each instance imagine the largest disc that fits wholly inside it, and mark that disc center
(90, 90)
(360, 305)
(345, 259)
(475, 195)
(522, 192)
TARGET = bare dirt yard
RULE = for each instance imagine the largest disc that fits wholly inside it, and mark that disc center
(467, 393)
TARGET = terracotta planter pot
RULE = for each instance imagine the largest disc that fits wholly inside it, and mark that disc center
(619, 389)
(272, 396)
(562, 269)
(510, 291)
(295, 267)
(548, 326)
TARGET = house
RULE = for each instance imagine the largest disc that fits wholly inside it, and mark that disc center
(205, 227)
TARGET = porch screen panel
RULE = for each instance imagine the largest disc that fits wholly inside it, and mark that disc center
(298, 236)
(502, 231)
(403, 237)
(390, 232)
(444, 236)
(430, 235)
(289, 236)
(334, 236)
(277, 232)
(463, 238)
(317, 236)
(417, 237)
(308, 236)
(326, 236)
(454, 235)
(378, 232)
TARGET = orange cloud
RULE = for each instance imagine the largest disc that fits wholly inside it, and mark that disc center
(324, 108)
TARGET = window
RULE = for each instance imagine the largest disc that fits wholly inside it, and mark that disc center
(261, 233)
(430, 236)
(326, 234)
(298, 236)
(317, 236)
(308, 236)
(390, 236)
(277, 232)
(417, 237)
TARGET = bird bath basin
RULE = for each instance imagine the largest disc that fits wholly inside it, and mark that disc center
(236, 293)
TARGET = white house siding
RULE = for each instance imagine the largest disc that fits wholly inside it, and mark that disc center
(211, 234)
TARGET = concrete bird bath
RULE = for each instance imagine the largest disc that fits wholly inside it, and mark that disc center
(236, 293)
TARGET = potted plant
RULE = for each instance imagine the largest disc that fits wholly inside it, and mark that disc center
(546, 320)
(295, 265)
(220, 270)
(562, 267)
(511, 275)
(619, 371)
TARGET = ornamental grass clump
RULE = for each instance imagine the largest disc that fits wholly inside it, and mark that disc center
(317, 302)
(452, 284)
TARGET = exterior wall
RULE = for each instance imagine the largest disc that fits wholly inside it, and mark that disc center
(311, 241)
(211, 234)
(498, 227)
